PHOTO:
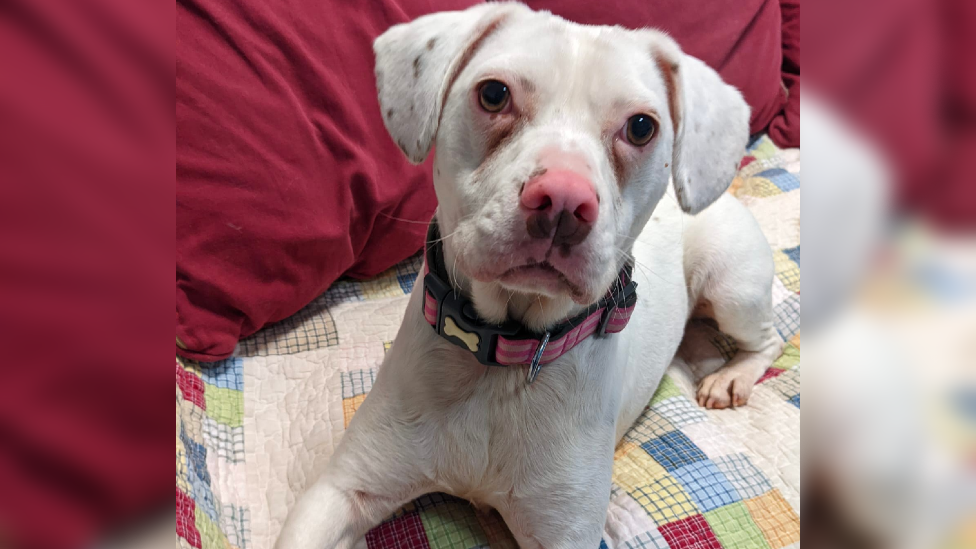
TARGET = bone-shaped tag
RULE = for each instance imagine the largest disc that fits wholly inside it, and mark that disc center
(452, 329)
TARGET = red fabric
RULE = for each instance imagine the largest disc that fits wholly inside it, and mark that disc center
(86, 251)
(903, 72)
(741, 39)
(406, 532)
(784, 129)
(286, 177)
(689, 533)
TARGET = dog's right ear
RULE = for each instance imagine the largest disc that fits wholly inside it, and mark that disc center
(416, 64)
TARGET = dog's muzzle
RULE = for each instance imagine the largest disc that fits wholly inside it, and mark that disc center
(453, 317)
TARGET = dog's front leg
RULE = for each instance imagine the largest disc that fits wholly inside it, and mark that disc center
(372, 473)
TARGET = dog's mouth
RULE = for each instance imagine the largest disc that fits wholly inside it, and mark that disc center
(541, 278)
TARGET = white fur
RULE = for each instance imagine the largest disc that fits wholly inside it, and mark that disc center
(542, 454)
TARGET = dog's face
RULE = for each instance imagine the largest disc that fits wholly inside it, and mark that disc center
(554, 143)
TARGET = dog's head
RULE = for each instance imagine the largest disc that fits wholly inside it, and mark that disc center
(554, 142)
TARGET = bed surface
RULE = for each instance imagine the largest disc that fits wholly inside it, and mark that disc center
(252, 430)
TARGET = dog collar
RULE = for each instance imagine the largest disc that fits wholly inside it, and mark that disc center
(453, 317)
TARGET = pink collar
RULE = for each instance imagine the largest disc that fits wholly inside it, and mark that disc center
(453, 317)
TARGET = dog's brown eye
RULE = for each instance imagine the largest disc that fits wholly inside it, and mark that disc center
(493, 96)
(640, 129)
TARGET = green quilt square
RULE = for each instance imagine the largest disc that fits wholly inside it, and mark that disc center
(734, 527)
(225, 405)
(453, 525)
(667, 389)
(789, 358)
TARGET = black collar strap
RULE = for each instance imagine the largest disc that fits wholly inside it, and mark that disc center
(453, 317)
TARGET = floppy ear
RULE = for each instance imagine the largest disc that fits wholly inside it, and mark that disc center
(711, 126)
(416, 64)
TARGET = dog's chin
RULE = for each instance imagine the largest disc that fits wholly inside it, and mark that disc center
(542, 279)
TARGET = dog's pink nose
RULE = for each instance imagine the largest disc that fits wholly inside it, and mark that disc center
(557, 191)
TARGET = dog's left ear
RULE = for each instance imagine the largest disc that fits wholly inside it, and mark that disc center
(711, 125)
(416, 64)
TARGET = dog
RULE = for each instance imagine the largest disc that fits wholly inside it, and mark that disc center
(561, 270)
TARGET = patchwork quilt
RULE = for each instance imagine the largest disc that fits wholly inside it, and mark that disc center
(253, 430)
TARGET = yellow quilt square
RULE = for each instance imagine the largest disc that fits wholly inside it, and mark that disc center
(635, 468)
(664, 500)
(349, 407)
(777, 520)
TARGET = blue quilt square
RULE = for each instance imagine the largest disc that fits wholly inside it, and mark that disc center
(793, 253)
(227, 374)
(196, 457)
(673, 450)
(707, 485)
(795, 400)
(781, 178)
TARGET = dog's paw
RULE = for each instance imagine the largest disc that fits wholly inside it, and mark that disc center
(724, 388)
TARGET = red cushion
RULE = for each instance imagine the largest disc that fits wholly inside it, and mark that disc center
(286, 178)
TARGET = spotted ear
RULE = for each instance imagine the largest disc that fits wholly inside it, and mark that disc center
(711, 126)
(416, 64)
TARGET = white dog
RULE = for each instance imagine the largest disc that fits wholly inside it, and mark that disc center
(555, 144)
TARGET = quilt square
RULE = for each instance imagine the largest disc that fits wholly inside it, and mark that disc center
(647, 540)
(790, 357)
(787, 317)
(343, 291)
(349, 408)
(787, 384)
(664, 500)
(707, 485)
(407, 272)
(680, 411)
(357, 382)
(236, 525)
(499, 537)
(673, 450)
(649, 426)
(225, 406)
(452, 524)
(794, 400)
(787, 271)
(635, 468)
(310, 328)
(665, 390)
(227, 442)
(775, 518)
(690, 533)
(758, 187)
(745, 477)
(190, 385)
(781, 178)
(226, 374)
(406, 532)
(734, 527)
(725, 344)
(186, 522)
(383, 285)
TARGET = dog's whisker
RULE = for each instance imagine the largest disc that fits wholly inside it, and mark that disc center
(394, 218)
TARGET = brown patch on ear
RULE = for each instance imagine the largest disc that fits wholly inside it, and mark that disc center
(466, 56)
(430, 43)
(416, 67)
(389, 114)
(669, 71)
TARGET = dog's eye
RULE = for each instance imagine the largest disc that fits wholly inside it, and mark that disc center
(493, 95)
(640, 129)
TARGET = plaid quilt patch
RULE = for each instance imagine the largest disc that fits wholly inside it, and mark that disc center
(680, 479)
